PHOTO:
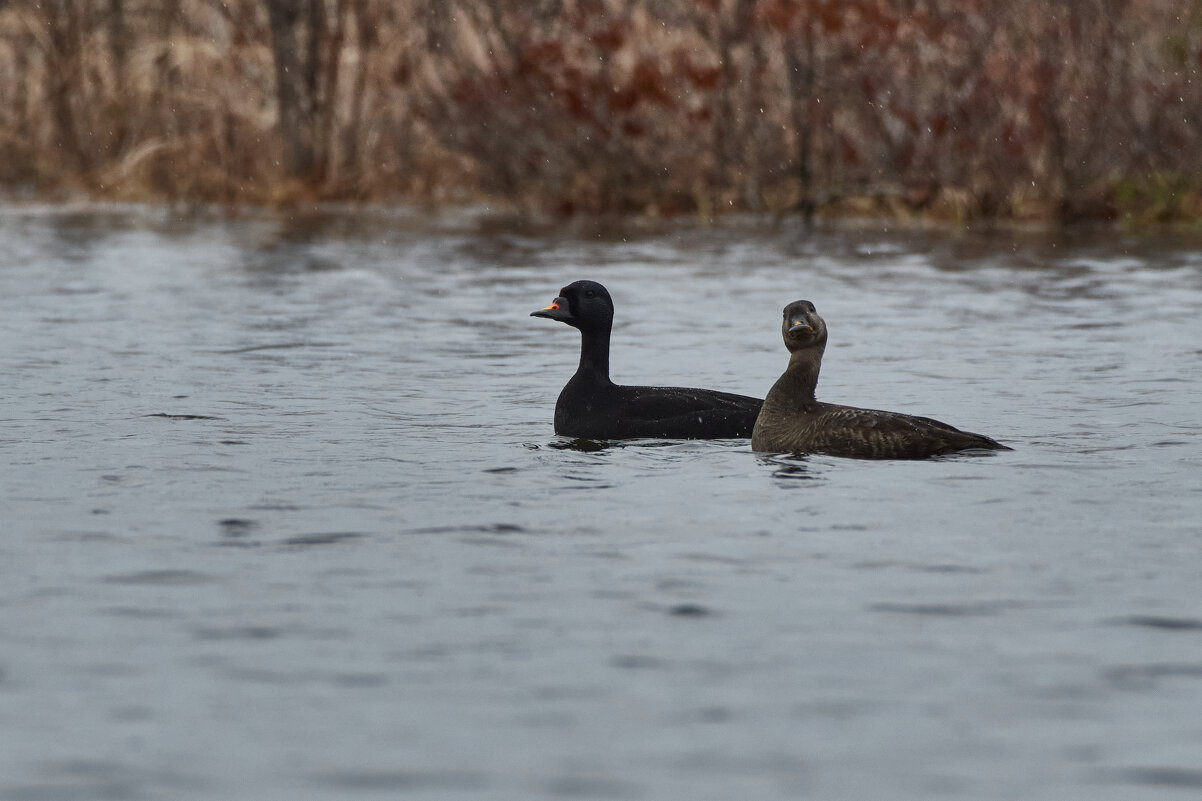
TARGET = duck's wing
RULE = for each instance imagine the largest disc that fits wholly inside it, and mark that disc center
(877, 434)
(684, 413)
(658, 402)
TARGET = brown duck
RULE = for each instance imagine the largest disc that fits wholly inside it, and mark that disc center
(793, 421)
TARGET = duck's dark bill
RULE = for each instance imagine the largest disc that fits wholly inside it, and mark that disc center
(556, 311)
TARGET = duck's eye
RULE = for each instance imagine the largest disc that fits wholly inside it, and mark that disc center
(590, 294)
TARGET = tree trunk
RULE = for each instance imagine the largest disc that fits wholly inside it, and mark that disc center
(64, 79)
(294, 120)
(799, 67)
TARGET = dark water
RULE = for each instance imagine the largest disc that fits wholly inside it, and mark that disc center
(284, 517)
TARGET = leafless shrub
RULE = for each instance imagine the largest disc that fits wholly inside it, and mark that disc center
(957, 109)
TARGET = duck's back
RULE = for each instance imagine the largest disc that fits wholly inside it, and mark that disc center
(610, 411)
(861, 433)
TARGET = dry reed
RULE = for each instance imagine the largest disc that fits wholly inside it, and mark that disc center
(958, 109)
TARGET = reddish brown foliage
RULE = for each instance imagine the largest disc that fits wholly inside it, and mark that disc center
(592, 106)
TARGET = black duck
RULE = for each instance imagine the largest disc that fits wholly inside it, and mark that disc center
(594, 407)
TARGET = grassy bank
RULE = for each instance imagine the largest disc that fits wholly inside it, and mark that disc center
(954, 110)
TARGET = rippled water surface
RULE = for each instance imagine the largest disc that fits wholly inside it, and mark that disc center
(283, 517)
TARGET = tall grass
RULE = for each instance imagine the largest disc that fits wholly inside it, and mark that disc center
(952, 108)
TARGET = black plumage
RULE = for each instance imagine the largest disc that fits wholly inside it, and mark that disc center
(593, 406)
(793, 421)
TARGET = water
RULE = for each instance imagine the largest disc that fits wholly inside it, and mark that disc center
(284, 517)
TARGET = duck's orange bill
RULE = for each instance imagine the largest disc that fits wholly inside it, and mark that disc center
(552, 307)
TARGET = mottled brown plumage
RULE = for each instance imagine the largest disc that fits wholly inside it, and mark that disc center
(793, 421)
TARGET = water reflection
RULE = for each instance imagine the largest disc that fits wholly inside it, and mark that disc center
(789, 469)
(585, 445)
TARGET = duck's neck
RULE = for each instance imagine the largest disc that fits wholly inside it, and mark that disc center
(802, 374)
(594, 353)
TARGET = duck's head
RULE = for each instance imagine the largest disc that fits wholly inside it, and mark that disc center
(581, 304)
(802, 327)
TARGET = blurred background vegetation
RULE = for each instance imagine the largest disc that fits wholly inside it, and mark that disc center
(954, 109)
